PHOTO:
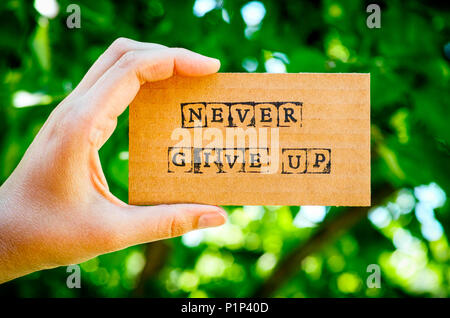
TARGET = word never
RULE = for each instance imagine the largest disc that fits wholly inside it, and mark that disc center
(242, 114)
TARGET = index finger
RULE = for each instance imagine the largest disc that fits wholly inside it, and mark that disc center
(118, 48)
(118, 86)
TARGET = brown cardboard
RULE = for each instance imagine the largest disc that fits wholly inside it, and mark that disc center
(323, 123)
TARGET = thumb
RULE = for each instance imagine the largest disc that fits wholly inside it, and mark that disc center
(141, 224)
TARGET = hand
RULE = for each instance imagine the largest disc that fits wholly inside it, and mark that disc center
(56, 208)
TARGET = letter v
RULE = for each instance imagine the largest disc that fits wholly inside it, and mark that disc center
(240, 114)
(228, 160)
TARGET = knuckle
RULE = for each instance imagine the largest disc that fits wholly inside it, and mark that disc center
(127, 60)
(179, 51)
(121, 45)
(63, 122)
(153, 70)
(76, 119)
(176, 225)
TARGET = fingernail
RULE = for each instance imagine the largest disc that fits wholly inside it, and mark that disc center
(222, 210)
(211, 219)
(214, 59)
(211, 59)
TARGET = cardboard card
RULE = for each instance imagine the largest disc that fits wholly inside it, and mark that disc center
(252, 139)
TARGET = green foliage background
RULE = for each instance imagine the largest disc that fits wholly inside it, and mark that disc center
(408, 59)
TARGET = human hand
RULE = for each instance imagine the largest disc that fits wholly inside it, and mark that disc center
(56, 208)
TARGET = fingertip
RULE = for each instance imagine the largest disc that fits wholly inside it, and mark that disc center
(189, 63)
(211, 219)
(222, 211)
(215, 64)
(212, 64)
(205, 208)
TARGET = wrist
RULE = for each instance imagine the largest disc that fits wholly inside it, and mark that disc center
(14, 256)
